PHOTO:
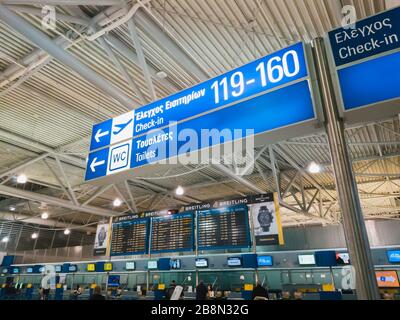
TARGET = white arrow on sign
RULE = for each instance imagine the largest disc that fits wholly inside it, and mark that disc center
(95, 164)
(100, 134)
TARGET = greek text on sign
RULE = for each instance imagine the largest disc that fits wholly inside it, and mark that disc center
(371, 36)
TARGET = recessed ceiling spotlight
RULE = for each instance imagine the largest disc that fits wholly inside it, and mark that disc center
(34, 235)
(67, 231)
(5, 239)
(161, 75)
(44, 215)
(12, 208)
(117, 202)
(314, 167)
(22, 178)
(180, 191)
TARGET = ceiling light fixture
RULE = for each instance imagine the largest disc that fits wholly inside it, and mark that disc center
(5, 239)
(180, 191)
(67, 231)
(12, 208)
(22, 178)
(117, 202)
(313, 167)
(44, 215)
(34, 235)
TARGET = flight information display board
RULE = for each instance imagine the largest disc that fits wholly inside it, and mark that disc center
(172, 233)
(129, 237)
(223, 228)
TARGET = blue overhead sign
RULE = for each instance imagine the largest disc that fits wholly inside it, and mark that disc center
(366, 61)
(270, 93)
(371, 36)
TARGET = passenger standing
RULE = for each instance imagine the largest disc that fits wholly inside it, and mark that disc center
(97, 294)
(201, 291)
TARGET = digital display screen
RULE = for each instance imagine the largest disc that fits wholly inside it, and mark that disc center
(73, 268)
(41, 269)
(151, 265)
(29, 270)
(58, 268)
(15, 270)
(223, 228)
(234, 262)
(172, 233)
(129, 237)
(393, 256)
(387, 279)
(264, 261)
(342, 258)
(4, 270)
(306, 259)
(113, 280)
(91, 267)
(201, 263)
(108, 266)
(175, 264)
(130, 265)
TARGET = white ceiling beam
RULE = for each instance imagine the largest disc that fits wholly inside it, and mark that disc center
(66, 2)
(53, 201)
(17, 217)
(45, 42)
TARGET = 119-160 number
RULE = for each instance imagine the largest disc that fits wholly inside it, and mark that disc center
(273, 71)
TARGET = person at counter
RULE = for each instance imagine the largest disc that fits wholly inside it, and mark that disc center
(259, 291)
(201, 291)
(170, 291)
(210, 291)
(97, 294)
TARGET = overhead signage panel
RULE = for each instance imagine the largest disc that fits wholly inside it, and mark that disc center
(365, 62)
(371, 36)
(268, 94)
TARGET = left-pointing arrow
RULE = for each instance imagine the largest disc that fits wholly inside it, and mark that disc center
(100, 134)
(95, 164)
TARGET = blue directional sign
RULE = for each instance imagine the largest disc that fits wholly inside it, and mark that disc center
(97, 164)
(367, 64)
(371, 36)
(101, 135)
(270, 93)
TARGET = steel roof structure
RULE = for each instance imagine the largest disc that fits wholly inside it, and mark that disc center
(107, 57)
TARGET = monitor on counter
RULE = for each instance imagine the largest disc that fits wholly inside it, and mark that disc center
(175, 264)
(342, 258)
(234, 262)
(4, 270)
(201, 263)
(58, 268)
(29, 270)
(113, 280)
(306, 259)
(130, 265)
(91, 267)
(41, 269)
(393, 256)
(264, 261)
(152, 265)
(15, 270)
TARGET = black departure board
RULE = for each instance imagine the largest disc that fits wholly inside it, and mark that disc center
(172, 233)
(223, 228)
(130, 237)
